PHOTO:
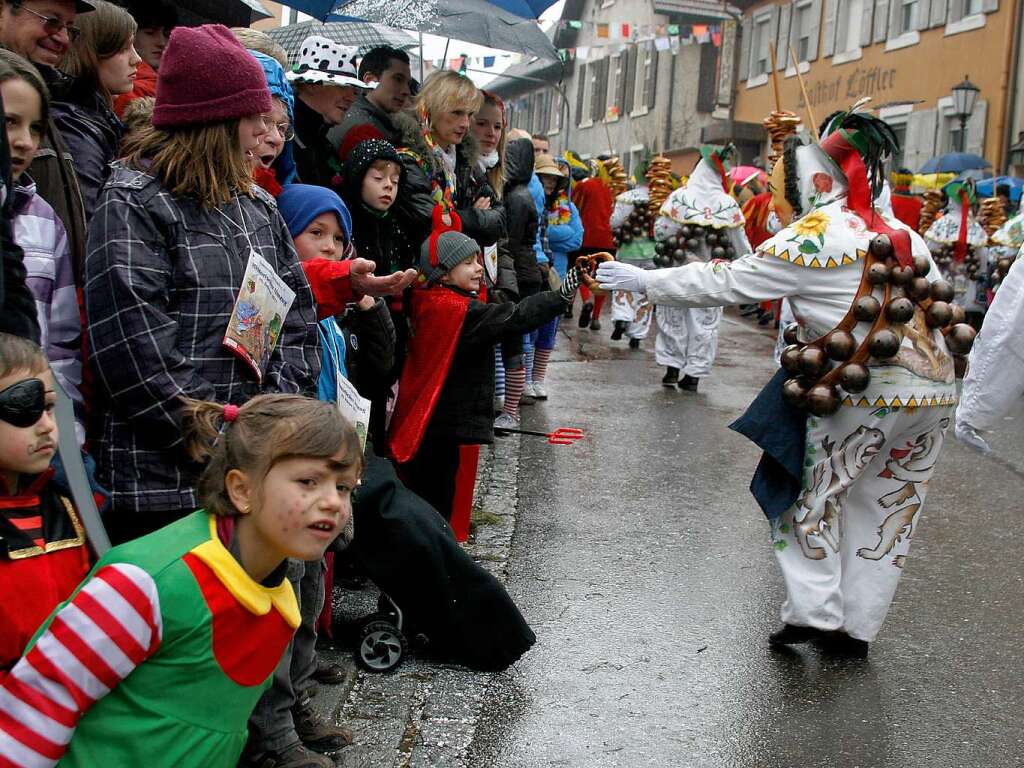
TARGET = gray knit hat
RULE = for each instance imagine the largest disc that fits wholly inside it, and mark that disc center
(451, 248)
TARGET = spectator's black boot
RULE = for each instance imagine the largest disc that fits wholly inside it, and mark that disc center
(671, 377)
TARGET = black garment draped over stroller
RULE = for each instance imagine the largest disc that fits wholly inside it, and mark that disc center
(410, 552)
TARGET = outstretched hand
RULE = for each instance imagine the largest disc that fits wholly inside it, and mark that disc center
(368, 284)
(616, 276)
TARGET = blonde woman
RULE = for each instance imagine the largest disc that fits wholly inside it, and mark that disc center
(174, 230)
(440, 154)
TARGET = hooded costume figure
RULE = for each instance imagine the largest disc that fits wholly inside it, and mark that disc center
(687, 339)
(957, 241)
(854, 422)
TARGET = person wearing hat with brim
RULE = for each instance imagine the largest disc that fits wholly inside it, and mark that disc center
(28, 32)
(326, 83)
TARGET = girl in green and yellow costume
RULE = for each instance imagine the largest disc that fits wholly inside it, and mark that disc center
(160, 655)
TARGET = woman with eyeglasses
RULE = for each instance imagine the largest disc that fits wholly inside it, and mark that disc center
(273, 164)
(102, 63)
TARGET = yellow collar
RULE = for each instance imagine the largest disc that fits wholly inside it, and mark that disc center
(253, 596)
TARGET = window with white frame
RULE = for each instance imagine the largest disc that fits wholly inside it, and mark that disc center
(759, 47)
(848, 27)
(906, 20)
(619, 84)
(972, 7)
(803, 26)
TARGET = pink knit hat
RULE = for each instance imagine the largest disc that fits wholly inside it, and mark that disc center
(207, 76)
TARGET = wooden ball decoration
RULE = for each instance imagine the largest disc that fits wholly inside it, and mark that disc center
(866, 309)
(959, 314)
(793, 392)
(883, 344)
(791, 334)
(960, 338)
(813, 362)
(840, 345)
(960, 366)
(1003, 265)
(942, 290)
(900, 310)
(881, 246)
(878, 273)
(693, 244)
(922, 265)
(822, 400)
(901, 275)
(791, 358)
(718, 252)
(854, 377)
(938, 314)
(919, 289)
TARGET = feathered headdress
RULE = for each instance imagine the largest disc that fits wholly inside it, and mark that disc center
(872, 137)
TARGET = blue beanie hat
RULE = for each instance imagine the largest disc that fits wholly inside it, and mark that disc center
(301, 203)
(281, 89)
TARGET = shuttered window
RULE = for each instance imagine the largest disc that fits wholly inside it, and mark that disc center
(650, 76)
(581, 83)
(599, 94)
(630, 83)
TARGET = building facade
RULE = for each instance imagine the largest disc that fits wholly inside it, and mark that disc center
(626, 96)
(906, 55)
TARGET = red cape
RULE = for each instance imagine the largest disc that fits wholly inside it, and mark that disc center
(437, 318)
(907, 209)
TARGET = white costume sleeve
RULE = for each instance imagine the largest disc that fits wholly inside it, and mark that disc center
(747, 280)
(995, 379)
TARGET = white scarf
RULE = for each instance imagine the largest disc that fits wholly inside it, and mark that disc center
(488, 161)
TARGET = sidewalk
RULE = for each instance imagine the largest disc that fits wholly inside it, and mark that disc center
(425, 714)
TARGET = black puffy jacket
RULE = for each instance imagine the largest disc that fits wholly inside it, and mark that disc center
(520, 216)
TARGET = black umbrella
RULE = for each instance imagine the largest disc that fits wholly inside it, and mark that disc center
(231, 13)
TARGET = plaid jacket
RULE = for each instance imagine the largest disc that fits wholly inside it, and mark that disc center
(161, 278)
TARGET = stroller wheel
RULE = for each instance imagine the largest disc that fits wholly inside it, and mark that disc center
(381, 645)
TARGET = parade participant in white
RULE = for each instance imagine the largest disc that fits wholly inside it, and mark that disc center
(842, 545)
(687, 339)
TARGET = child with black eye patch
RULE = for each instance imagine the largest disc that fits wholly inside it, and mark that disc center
(43, 554)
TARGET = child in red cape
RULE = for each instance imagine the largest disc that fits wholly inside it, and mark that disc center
(446, 390)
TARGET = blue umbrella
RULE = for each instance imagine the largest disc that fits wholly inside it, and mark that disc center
(955, 162)
(320, 9)
(988, 187)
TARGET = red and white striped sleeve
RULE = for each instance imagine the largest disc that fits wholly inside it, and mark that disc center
(95, 641)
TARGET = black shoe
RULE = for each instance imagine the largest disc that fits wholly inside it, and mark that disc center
(595, 324)
(585, 311)
(671, 377)
(839, 643)
(634, 343)
(766, 318)
(316, 733)
(330, 673)
(620, 329)
(568, 313)
(689, 383)
(790, 634)
(749, 310)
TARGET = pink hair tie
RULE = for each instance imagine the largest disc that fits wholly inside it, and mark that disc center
(230, 413)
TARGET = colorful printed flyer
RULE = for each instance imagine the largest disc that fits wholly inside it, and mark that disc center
(262, 305)
(491, 264)
(355, 408)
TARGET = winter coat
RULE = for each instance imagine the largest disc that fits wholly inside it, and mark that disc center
(465, 408)
(521, 217)
(594, 201)
(92, 132)
(162, 278)
(540, 204)
(18, 315)
(373, 122)
(370, 343)
(57, 183)
(505, 286)
(415, 204)
(561, 238)
(51, 278)
(315, 159)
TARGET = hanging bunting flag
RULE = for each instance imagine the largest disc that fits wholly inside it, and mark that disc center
(488, 62)
(716, 39)
(576, 24)
(673, 29)
(625, 31)
(602, 30)
(582, 52)
(662, 43)
(457, 63)
(674, 41)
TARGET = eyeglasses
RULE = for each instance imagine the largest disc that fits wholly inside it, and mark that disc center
(285, 129)
(55, 26)
(22, 404)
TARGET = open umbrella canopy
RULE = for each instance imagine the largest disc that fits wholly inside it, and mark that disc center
(988, 187)
(231, 13)
(321, 9)
(358, 33)
(744, 174)
(955, 162)
(472, 21)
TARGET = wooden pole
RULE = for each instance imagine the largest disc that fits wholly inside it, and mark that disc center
(775, 77)
(803, 89)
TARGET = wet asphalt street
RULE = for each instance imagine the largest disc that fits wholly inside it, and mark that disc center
(644, 566)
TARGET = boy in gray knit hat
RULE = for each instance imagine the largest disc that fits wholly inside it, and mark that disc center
(446, 389)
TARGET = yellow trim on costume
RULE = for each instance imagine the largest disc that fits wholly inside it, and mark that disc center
(898, 402)
(254, 597)
(54, 546)
(813, 262)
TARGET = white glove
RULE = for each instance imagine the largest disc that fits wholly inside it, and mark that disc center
(969, 436)
(616, 276)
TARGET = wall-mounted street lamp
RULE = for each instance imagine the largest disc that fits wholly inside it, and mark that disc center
(965, 96)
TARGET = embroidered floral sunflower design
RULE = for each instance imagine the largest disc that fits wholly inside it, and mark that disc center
(808, 229)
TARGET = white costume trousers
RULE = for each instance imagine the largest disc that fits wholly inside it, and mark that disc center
(687, 338)
(634, 310)
(842, 546)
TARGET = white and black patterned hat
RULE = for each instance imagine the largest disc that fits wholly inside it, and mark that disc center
(324, 61)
